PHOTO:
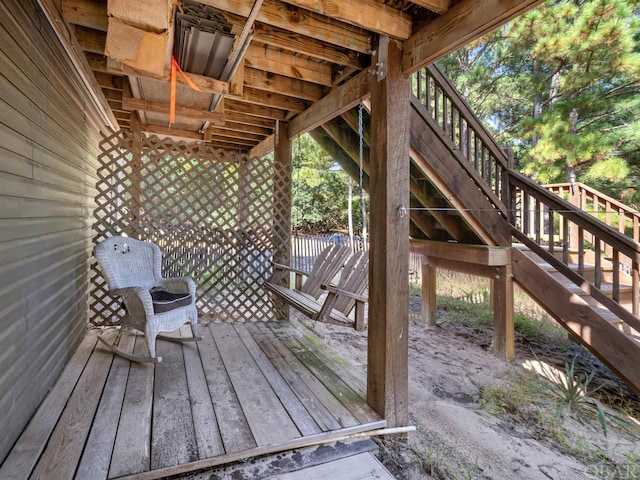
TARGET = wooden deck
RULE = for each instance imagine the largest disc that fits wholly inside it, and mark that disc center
(245, 390)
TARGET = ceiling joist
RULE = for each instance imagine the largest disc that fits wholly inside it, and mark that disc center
(302, 22)
(366, 14)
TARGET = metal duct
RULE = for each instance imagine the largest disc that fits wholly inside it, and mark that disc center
(203, 39)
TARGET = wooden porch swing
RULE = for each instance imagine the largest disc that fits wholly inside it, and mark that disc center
(340, 300)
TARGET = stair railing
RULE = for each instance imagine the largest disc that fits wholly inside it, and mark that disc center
(609, 210)
(460, 125)
(540, 219)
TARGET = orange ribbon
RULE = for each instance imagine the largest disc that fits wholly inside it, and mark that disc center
(188, 81)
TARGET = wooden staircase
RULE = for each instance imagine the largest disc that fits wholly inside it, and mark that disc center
(582, 271)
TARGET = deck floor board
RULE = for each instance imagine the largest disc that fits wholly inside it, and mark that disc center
(238, 393)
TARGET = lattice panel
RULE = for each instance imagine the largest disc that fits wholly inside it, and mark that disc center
(212, 212)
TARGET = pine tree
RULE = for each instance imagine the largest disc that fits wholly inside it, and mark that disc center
(561, 86)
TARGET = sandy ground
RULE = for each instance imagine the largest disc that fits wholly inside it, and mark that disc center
(458, 436)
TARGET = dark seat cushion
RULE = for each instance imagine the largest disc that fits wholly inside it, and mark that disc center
(164, 301)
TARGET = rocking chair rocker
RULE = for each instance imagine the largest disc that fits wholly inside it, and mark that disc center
(132, 269)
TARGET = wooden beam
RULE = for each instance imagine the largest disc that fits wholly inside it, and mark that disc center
(274, 100)
(90, 40)
(129, 103)
(271, 82)
(240, 127)
(207, 84)
(254, 110)
(263, 148)
(462, 23)
(303, 45)
(490, 256)
(348, 141)
(437, 6)
(388, 345)
(111, 82)
(336, 152)
(338, 101)
(242, 137)
(99, 63)
(301, 22)
(164, 131)
(286, 63)
(86, 13)
(240, 118)
(282, 202)
(365, 14)
(429, 302)
(447, 221)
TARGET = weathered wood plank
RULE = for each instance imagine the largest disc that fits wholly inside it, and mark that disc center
(131, 450)
(67, 441)
(205, 421)
(301, 442)
(173, 440)
(286, 63)
(272, 347)
(129, 103)
(335, 103)
(234, 429)
(352, 374)
(94, 464)
(388, 346)
(369, 15)
(301, 22)
(340, 390)
(319, 390)
(301, 417)
(268, 420)
(476, 254)
(26, 452)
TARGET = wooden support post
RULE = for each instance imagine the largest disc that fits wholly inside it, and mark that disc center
(429, 307)
(503, 326)
(282, 206)
(388, 346)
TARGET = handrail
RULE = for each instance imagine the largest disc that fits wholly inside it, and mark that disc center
(535, 225)
(539, 218)
(600, 206)
(461, 126)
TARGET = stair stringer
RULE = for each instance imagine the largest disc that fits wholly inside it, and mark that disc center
(617, 350)
(438, 161)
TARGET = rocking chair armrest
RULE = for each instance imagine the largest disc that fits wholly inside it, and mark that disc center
(279, 266)
(142, 293)
(339, 291)
(184, 284)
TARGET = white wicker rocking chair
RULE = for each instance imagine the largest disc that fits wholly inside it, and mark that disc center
(132, 269)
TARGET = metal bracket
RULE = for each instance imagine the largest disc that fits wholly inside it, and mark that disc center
(381, 62)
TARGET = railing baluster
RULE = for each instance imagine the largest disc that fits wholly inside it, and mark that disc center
(536, 219)
(616, 275)
(598, 266)
(565, 240)
(552, 230)
(635, 282)
(526, 213)
(581, 251)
